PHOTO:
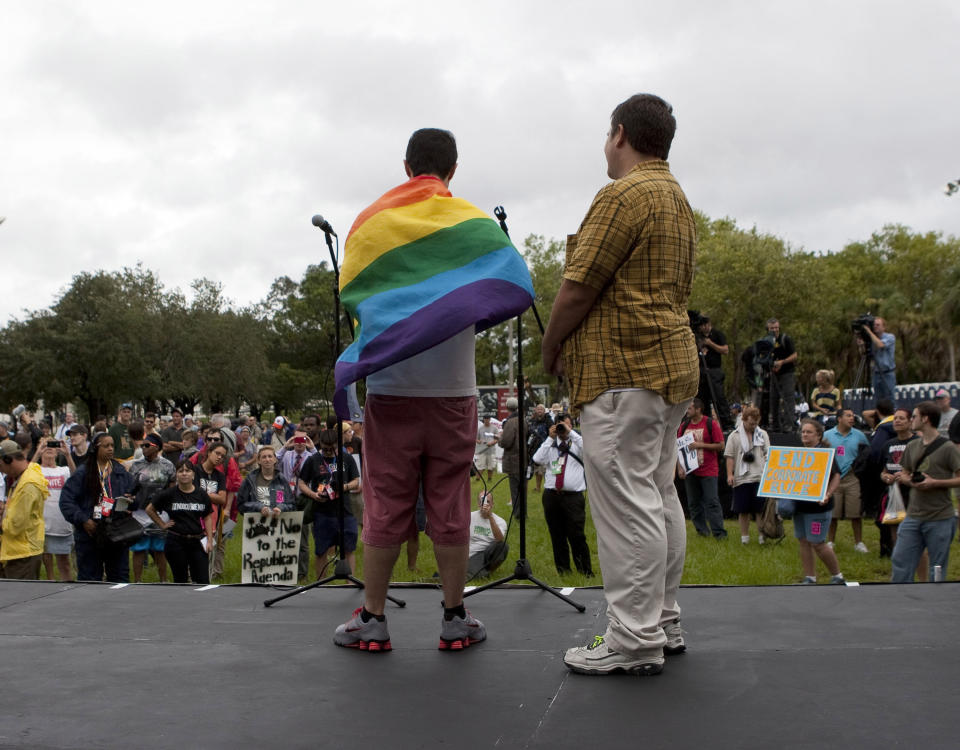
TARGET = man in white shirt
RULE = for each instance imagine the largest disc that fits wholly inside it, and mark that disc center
(487, 534)
(564, 506)
(64, 428)
(486, 453)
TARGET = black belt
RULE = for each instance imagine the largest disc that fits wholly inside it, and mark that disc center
(186, 536)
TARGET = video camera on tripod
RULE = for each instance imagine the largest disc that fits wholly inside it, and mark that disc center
(696, 322)
(857, 325)
(762, 360)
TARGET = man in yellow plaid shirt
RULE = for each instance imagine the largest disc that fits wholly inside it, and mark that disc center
(619, 332)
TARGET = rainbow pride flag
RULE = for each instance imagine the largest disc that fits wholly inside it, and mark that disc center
(419, 266)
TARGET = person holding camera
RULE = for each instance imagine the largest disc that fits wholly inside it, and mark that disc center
(712, 344)
(564, 505)
(931, 467)
(318, 482)
(746, 453)
(884, 361)
(783, 384)
(23, 527)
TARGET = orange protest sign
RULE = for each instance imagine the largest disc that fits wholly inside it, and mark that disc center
(800, 474)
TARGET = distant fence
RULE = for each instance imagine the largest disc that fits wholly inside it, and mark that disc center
(905, 395)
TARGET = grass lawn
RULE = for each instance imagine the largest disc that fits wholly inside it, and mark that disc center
(708, 561)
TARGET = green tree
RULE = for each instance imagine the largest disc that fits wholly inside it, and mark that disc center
(301, 339)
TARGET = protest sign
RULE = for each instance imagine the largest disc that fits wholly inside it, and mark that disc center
(800, 474)
(688, 456)
(271, 547)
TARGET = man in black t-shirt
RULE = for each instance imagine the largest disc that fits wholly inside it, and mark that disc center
(783, 384)
(712, 344)
(318, 481)
(888, 460)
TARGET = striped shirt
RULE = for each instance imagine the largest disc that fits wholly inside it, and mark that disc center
(636, 246)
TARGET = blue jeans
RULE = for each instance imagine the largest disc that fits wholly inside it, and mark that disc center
(704, 503)
(912, 537)
(884, 384)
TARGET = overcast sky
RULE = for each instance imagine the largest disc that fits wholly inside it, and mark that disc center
(200, 137)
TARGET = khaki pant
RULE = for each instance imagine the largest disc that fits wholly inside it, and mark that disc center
(630, 452)
(22, 568)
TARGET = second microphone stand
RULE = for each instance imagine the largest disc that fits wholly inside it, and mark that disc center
(522, 571)
(341, 570)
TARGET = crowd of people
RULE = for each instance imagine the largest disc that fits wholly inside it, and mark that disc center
(74, 495)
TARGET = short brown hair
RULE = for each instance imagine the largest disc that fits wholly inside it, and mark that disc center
(648, 123)
(929, 410)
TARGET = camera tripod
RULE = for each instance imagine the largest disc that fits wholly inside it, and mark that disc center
(863, 376)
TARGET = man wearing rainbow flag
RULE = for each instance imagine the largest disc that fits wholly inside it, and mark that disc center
(619, 330)
(422, 273)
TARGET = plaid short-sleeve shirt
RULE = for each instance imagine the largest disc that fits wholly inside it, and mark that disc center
(636, 245)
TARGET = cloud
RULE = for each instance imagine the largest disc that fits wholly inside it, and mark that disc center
(201, 137)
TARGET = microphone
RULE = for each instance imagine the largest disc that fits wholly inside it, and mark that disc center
(323, 224)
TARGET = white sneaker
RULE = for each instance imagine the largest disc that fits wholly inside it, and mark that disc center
(762, 539)
(830, 545)
(674, 633)
(744, 540)
(861, 548)
(599, 658)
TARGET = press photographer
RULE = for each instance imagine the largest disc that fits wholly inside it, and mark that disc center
(711, 345)
(783, 385)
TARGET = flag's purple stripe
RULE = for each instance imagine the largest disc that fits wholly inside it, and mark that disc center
(483, 303)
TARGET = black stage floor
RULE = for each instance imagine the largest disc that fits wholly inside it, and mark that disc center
(149, 666)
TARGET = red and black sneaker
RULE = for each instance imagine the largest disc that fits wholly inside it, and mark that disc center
(371, 635)
(458, 633)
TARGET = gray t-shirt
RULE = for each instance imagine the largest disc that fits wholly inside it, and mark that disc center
(943, 463)
(945, 419)
(168, 434)
(448, 369)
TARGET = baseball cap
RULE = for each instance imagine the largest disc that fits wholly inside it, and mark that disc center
(942, 393)
(279, 422)
(512, 403)
(126, 405)
(155, 439)
(229, 437)
(9, 448)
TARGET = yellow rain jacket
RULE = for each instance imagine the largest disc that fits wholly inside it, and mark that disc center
(23, 517)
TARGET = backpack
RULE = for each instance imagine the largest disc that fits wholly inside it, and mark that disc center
(707, 431)
(770, 524)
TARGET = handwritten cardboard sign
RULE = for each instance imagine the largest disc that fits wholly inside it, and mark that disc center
(800, 474)
(271, 547)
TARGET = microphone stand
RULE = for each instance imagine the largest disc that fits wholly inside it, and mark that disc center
(341, 570)
(522, 571)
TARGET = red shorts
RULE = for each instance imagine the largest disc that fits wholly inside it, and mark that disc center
(407, 440)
